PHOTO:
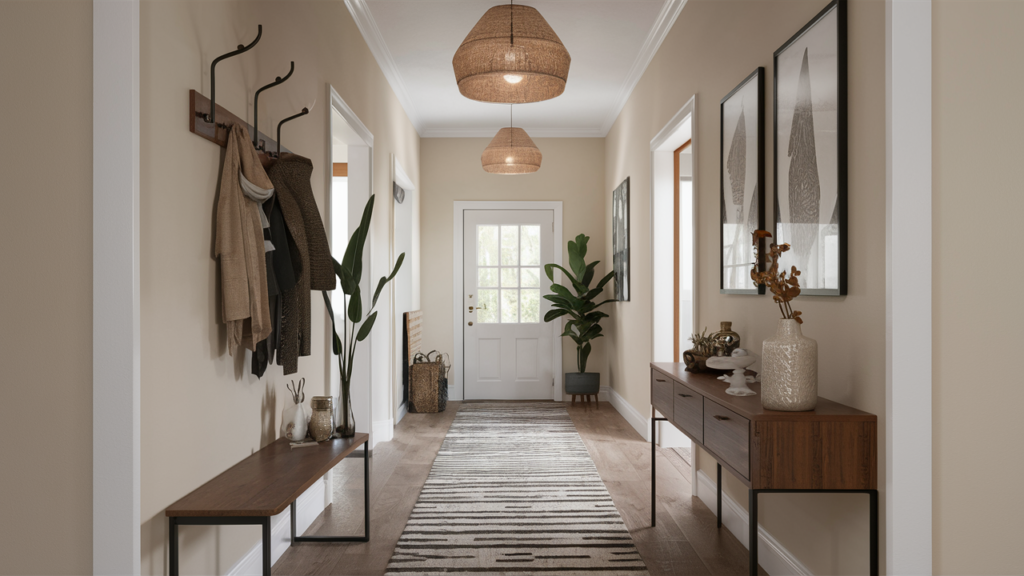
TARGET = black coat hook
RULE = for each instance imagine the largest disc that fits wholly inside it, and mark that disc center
(303, 113)
(212, 116)
(256, 106)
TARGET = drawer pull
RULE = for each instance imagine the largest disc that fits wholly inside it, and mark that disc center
(717, 417)
(658, 380)
(686, 395)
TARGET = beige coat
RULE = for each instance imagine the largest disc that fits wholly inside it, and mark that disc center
(239, 245)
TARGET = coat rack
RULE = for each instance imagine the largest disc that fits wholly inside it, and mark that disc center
(213, 122)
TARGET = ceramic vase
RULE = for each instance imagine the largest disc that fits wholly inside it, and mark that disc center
(321, 423)
(789, 370)
(294, 422)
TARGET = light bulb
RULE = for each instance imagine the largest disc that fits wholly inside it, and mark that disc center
(513, 78)
(508, 160)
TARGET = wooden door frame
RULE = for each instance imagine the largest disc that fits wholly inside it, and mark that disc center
(457, 382)
(675, 247)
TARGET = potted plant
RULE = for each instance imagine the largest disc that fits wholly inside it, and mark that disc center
(576, 300)
(703, 348)
(789, 360)
(349, 272)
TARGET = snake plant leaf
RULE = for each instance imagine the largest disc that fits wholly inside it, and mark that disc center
(364, 330)
(355, 307)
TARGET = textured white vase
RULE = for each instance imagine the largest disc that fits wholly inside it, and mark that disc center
(294, 422)
(789, 370)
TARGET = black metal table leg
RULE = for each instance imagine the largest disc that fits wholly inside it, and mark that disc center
(873, 538)
(654, 458)
(172, 528)
(752, 536)
(266, 546)
(719, 495)
(366, 511)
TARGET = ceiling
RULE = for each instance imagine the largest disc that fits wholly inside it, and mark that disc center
(611, 42)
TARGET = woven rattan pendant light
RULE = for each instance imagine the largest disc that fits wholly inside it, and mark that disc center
(511, 151)
(511, 56)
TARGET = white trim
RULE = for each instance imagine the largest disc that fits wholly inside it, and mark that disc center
(116, 327)
(772, 556)
(639, 422)
(402, 411)
(338, 103)
(908, 310)
(457, 385)
(535, 132)
(383, 430)
(662, 25)
(378, 47)
(308, 507)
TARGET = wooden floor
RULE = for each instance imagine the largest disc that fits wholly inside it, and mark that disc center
(686, 540)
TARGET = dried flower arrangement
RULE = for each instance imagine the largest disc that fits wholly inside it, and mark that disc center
(703, 344)
(783, 288)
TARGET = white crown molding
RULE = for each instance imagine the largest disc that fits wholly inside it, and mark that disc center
(371, 35)
(533, 132)
(666, 19)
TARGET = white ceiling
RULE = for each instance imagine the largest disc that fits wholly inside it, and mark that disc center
(611, 42)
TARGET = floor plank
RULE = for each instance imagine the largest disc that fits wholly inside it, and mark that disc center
(686, 540)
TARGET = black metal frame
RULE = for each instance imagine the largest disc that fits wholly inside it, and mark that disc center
(842, 164)
(756, 76)
(873, 558)
(264, 521)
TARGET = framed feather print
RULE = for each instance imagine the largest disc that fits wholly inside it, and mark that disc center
(742, 182)
(620, 240)
(810, 152)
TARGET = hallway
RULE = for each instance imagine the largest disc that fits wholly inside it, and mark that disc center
(686, 540)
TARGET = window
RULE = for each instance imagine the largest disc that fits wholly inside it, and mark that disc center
(508, 274)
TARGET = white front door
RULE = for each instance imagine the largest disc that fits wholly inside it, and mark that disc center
(508, 346)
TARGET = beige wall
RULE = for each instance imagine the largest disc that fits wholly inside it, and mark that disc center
(713, 46)
(46, 341)
(977, 315)
(572, 171)
(202, 410)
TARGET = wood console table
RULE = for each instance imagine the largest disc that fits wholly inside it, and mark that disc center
(833, 448)
(262, 486)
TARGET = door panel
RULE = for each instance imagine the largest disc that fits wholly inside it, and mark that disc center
(508, 347)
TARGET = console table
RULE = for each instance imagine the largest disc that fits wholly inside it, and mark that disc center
(262, 486)
(833, 448)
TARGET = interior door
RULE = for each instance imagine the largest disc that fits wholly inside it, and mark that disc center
(508, 346)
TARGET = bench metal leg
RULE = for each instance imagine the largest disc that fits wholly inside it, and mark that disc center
(366, 511)
(719, 494)
(752, 533)
(172, 528)
(266, 547)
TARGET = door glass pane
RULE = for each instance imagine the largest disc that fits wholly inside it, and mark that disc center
(530, 277)
(487, 246)
(487, 313)
(509, 306)
(509, 277)
(530, 246)
(529, 308)
(510, 245)
(487, 277)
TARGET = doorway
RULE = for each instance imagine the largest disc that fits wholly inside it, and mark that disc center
(504, 349)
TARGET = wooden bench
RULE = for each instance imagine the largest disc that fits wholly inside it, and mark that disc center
(262, 486)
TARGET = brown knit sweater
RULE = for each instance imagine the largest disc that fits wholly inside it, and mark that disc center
(239, 246)
(291, 178)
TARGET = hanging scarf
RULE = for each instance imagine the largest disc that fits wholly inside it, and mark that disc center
(259, 196)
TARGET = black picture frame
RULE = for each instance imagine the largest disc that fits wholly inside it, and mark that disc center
(736, 166)
(810, 152)
(620, 240)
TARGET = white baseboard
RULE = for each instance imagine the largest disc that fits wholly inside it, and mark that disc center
(383, 431)
(638, 421)
(402, 411)
(307, 507)
(775, 559)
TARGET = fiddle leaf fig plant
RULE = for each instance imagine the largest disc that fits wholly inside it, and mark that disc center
(350, 272)
(577, 299)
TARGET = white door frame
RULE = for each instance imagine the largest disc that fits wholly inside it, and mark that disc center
(457, 386)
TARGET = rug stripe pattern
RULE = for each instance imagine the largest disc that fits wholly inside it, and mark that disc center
(513, 490)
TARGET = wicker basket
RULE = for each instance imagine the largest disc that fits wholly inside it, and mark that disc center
(428, 385)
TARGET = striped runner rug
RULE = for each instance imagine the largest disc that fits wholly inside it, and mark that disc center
(513, 491)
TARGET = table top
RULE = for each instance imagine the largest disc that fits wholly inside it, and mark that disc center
(265, 483)
(708, 385)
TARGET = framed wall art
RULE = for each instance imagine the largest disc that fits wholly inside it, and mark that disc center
(741, 170)
(620, 240)
(810, 152)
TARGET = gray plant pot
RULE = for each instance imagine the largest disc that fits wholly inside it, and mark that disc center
(585, 383)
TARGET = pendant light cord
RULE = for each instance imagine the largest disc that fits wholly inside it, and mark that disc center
(511, 23)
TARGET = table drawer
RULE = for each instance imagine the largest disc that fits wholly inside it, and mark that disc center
(727, 434)
(661, 393)
(688, 412)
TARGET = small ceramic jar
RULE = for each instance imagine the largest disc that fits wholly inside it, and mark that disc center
(321, 423)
